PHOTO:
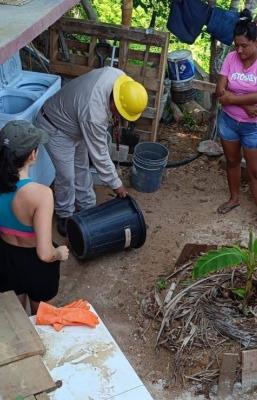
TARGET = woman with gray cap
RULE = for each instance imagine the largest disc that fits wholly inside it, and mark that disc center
(29, 263)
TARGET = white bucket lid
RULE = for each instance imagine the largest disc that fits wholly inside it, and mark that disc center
(179, 55)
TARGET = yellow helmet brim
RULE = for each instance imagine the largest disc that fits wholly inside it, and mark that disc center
(116, 96)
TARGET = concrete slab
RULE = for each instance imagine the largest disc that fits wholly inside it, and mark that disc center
(90, 365)
(19, 25)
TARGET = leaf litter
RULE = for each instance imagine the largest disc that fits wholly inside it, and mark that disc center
(197, 321)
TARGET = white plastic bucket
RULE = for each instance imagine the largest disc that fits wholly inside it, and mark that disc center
(180, 66)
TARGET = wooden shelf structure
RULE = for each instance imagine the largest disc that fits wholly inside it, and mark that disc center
(72, 53)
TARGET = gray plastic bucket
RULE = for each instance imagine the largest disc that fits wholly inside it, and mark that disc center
(149, 160)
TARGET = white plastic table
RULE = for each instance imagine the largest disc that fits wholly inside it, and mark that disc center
(90, 365)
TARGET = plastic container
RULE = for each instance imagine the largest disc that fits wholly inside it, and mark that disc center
(22, 94)
(12, 102)
(112, 226)
(122, 155)
(180, 65)
(149, 161)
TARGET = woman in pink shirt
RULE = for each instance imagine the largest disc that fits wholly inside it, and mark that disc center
(237, 93)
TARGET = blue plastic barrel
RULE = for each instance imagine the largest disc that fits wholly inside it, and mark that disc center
(149, 161)
(112, 226)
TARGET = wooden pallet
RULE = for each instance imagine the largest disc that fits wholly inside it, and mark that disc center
(22, 371)
(72, 53)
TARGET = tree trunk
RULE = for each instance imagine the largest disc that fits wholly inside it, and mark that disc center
(89, 10)
(251, 5)
(234, 5)
(153, 19)
(127, 9)
(212, 3)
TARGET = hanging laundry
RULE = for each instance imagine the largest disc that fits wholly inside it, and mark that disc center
(222, 23)
(187, 18)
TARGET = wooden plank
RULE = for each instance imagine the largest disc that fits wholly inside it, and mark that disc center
(61, 67)
(24, 378)
(123, 55)
(146, 55)
(18, 337)
(54, 44)
(139, 55)
(92, 55)
(249, 370)
(108, 31)
(150, 112)
(192, 250)
(161, 75)
(227, 375)
(76, 44)
(78, 59)
(145, 66)
(204, 85)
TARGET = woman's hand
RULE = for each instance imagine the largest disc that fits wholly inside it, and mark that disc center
(62, 253)
(219, 92)
(227, 98)
(251, 110)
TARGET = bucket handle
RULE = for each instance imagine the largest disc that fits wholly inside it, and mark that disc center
(151, 169)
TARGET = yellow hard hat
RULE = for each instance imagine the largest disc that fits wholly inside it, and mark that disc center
(130, 97)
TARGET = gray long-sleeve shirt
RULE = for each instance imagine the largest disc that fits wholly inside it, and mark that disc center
(82, 109)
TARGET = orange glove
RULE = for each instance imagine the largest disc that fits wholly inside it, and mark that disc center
(73, 314)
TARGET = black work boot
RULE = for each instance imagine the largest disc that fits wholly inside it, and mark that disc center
(62, 225)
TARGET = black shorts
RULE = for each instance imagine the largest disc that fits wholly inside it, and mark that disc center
(22, 271)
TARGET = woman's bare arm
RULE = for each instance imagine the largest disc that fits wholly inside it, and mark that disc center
(221, 85)
(42, 224)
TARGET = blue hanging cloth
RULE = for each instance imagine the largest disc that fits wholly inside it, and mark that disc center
(222, 23)
(187, 18)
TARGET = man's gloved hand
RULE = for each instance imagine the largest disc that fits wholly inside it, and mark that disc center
(74, 314)
(121, 191)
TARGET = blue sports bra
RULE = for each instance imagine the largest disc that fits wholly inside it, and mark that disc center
(9, 224)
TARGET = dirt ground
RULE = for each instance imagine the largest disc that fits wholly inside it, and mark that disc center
(182, 211)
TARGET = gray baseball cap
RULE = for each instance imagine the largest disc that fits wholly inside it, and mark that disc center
(22, 136)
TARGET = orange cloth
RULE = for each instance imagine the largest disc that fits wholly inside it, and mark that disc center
(73, 314)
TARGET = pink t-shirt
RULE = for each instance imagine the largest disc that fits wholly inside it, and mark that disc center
(240, 81)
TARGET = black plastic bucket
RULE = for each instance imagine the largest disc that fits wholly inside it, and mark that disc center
(112, 226)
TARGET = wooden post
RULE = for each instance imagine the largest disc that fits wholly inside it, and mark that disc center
(127, 9)
(227, 375)
(249, 370)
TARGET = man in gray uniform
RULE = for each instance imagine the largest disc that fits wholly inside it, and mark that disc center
(77, 118)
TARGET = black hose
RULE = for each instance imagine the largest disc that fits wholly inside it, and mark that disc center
(170, 164)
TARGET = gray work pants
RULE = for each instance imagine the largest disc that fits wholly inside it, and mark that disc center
(73, 182)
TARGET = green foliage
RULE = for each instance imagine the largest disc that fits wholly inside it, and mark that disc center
(188, 120)
(110, 11)
(227, 257)
(161, 284)
(215, 260)
(240, 292)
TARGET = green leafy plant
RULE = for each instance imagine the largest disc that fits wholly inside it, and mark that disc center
(188, 120)
(161, 284)
(226, 257)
